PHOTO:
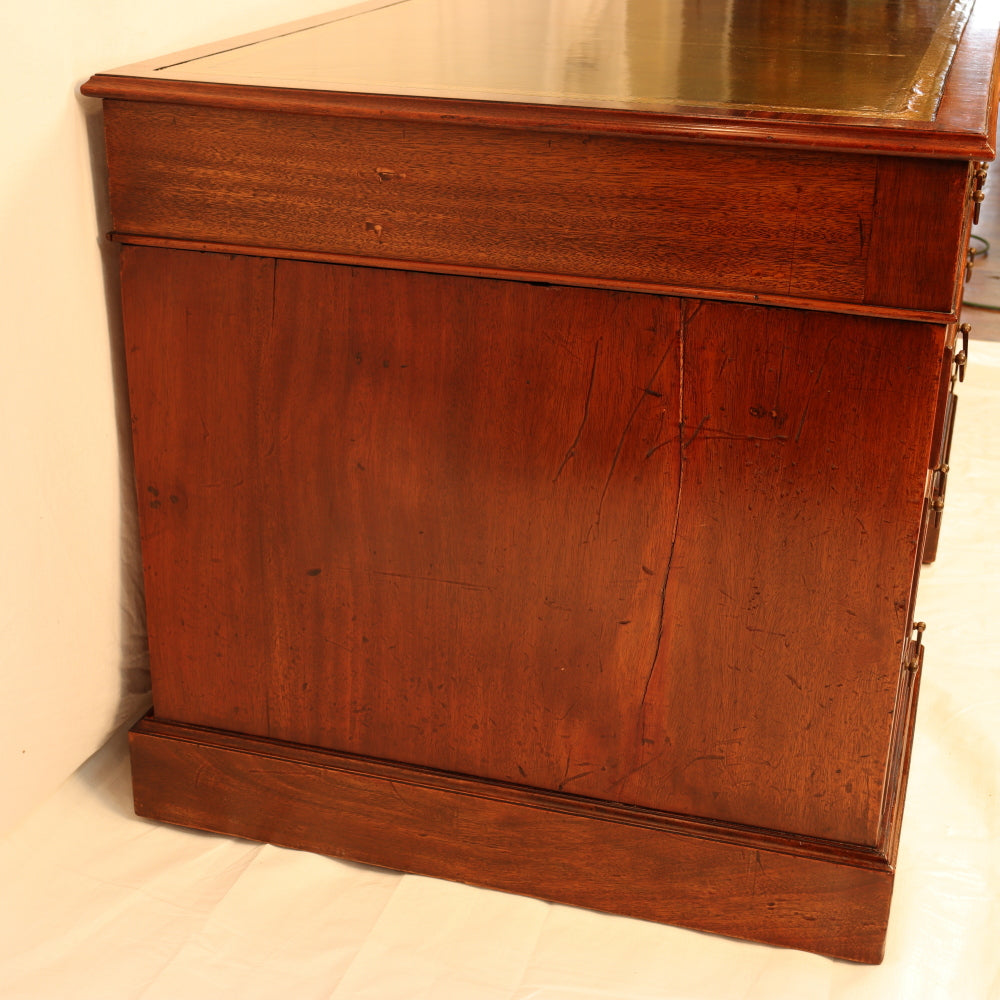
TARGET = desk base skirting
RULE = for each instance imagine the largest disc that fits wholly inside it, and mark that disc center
(828, 898)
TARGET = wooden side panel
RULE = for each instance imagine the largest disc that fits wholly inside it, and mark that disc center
(804, 446)
(191, 328)
(606, 543)
(406, 521)
(547, 847)
(671, 213)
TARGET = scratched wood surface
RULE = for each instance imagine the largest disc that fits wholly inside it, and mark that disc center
(601, 543)
(546, 846)
(853, 229)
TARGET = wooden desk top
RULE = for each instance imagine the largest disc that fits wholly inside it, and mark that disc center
(911, 76)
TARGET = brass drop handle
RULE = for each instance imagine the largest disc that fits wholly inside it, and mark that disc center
(913, 661)
(962, 358)
(978, 194)
(970, 260)
(978, 198)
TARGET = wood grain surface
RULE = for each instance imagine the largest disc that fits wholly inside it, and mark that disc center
(547, 846)
(535, 495)
(600, 543)
(798, 225)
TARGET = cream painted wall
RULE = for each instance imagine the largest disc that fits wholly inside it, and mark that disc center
(71, 649)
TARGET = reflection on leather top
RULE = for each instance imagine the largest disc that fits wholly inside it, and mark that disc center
(886, 59)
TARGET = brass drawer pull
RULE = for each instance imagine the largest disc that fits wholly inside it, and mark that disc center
(916, 646)
(978, 194)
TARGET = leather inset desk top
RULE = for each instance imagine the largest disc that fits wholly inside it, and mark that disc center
(846, 58)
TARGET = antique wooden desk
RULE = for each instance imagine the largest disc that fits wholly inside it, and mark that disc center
(539, 412)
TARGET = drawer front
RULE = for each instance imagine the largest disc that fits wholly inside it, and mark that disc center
(725, 221)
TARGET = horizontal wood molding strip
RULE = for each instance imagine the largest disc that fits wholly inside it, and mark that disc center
(538, 844)
(819, 132)
(561, 802)
(547, 277)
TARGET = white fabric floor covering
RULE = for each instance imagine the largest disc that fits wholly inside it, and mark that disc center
(95, 903)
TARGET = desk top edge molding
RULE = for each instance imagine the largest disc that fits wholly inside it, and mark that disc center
(964, 126)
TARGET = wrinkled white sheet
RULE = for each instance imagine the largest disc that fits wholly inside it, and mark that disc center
(95, 903)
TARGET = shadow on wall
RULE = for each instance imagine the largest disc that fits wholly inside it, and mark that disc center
(135, 688)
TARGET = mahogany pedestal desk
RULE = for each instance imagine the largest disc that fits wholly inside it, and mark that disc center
(540, 412)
